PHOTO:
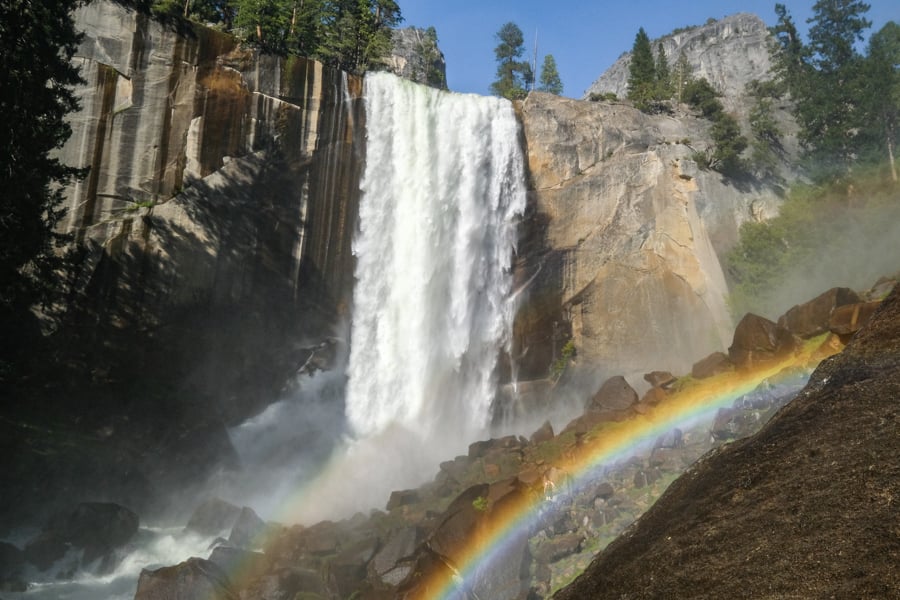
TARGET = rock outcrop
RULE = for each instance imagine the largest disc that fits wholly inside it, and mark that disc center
(729, 53)
(623, 238)
(416, 57)
(804, 508)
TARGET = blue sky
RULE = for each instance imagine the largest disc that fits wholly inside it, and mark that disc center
(585, 37)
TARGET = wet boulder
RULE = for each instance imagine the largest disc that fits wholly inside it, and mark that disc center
(850, 318)
(194, 578)
(558, 547)
(660, 379)
(811, 318)
(758, 341)
(715, 363)
(97, 528)
(12, 565)
(248, 530)
(230, 560)
(614, 395)
(387, 561)
(402, 498)
(213, 517)
(544, 433)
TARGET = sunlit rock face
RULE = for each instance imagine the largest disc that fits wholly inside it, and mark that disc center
(624, 238)
(729, 53)
(221, 181)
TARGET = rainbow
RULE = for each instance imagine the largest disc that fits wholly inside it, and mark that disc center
(616, 442)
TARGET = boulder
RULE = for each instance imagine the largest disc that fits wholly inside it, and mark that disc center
(850, 318)
(98, 528)
(653, 397)
(402, 498)
(248, 530)
(544, 433)
(12, 564)
(811, 318)
(674, 438)
(660, 379)
(604, 490)
(556, 548)
(715, 363)
(757, 341)
(483, 448)
(213, 517)
(194, 578)
(400, 544)
(614, 395)
(230, 559)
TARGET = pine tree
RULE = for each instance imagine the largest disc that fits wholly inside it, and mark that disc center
(663, 89)
(513, 75)
(550, 81)
(37, 43)
(830, 87)
(681, 76)
(882, 94)
(642, 72)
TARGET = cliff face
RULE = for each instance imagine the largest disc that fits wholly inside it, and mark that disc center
(728, 53)
(631, 232)
(221, 181)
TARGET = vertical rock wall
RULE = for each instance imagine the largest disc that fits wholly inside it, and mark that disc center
(625, 230)
(222, 183)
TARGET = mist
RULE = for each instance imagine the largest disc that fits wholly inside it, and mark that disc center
(855, 253)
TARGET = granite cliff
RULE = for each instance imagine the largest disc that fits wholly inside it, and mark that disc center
(624, 237)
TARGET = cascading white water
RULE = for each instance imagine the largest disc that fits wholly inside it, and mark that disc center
(442, 190)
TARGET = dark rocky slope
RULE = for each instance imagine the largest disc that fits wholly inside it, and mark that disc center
(806, 508)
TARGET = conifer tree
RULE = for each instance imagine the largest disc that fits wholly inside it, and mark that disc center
(663, 89)
(37, 43)
(550, 81)
(882, 93)
(641, 72)
(513, 75)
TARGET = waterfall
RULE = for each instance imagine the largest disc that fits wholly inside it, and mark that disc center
(442, 190)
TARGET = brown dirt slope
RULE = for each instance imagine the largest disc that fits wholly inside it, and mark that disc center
(809, 507)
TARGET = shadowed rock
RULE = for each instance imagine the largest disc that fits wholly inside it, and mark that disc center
(194, 578)
(811, 318)
(758, 341)
(802, 509)
(715, 363)
(96, 527)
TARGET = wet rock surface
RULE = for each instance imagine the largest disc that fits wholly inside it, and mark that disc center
(803, 508)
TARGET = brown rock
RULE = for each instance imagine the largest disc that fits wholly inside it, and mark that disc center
(194, 578)
(811, 318)
(402, 498)
(559, 547)
(543, 434)
(614, 395)
(757, 341)
(848, 319)
(660, 379)
(805, 508)
(715, 363)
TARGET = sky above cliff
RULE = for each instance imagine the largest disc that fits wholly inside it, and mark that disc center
(584, 37)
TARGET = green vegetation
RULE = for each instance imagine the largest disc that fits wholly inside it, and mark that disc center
(513, 75)
(845, 103)
(642, 83)
(428, 50)
(820, 226)
(847, 106)
(728, 142)
(559, 365)
(353, 35)
(37, 42)
(480, 504)
(550, 81)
